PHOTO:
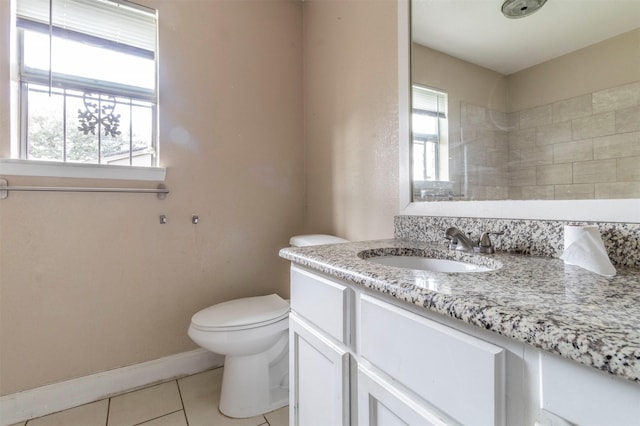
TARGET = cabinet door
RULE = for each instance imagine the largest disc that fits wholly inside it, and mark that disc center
(319, 377)
(461, 375)
(381, 404)
(583, 395)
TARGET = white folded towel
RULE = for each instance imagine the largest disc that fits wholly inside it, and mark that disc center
(584, 248)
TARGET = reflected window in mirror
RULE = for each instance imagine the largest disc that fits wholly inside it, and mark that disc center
(430, 143)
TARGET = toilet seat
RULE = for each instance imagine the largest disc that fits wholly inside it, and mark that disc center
(241, 314)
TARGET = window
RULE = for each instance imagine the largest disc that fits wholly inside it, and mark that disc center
(87, 81)
(429, 148)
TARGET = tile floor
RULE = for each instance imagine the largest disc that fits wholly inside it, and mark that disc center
(189, 401)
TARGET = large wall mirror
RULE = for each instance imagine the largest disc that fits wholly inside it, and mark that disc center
(540, 107)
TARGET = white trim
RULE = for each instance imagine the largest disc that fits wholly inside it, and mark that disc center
(14, 167)
(404, 83)
(627, 210)
(60, 396)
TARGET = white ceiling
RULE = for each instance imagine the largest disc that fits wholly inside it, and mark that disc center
(476, 30)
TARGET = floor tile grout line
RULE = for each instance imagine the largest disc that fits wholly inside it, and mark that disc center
(158, 417)
(186, 418)
(27, 421)
(186, 421)
(140, 388)
(108, 411)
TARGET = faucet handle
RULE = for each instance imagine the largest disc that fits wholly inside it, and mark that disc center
(485, 241)
(485, 246)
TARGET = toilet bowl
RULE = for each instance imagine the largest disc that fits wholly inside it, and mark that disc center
(253, 335)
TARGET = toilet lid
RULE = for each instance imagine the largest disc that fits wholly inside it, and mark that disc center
(241, 313)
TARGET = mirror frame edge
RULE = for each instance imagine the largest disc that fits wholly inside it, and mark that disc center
(404, 117)
(604, 210)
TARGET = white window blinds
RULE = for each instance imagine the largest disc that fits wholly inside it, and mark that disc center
(118, 21)
(429, 100)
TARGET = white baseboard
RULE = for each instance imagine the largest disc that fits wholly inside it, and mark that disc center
(60, 396)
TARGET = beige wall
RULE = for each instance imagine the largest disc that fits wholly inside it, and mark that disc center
(91, 282)
(604, 65)
(462, 80)
(351, 124)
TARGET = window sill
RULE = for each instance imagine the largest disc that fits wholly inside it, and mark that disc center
(13, 167)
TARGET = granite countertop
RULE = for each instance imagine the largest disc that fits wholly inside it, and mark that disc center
(559, 308)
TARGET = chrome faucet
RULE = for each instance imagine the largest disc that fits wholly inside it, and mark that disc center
(459, 241)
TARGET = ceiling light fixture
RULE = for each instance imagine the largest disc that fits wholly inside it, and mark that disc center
(514, 9)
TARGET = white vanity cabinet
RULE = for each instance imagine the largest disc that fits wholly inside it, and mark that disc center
(397, 368)
(363, 358)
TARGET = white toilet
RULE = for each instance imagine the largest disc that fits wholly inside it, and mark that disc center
(253, 335)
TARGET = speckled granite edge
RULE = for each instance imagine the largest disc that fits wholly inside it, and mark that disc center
(541, 301)
(533, 237)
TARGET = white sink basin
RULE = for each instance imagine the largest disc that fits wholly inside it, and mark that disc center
(428, 264)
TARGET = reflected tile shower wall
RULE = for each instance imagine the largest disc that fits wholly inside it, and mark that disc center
(584, 147)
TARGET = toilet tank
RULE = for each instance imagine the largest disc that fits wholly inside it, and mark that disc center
(315, 240)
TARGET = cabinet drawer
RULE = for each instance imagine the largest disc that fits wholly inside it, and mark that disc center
(322, 302)
(459, 374)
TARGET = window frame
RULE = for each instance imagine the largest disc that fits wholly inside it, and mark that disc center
(429, 138)
(20, 165)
